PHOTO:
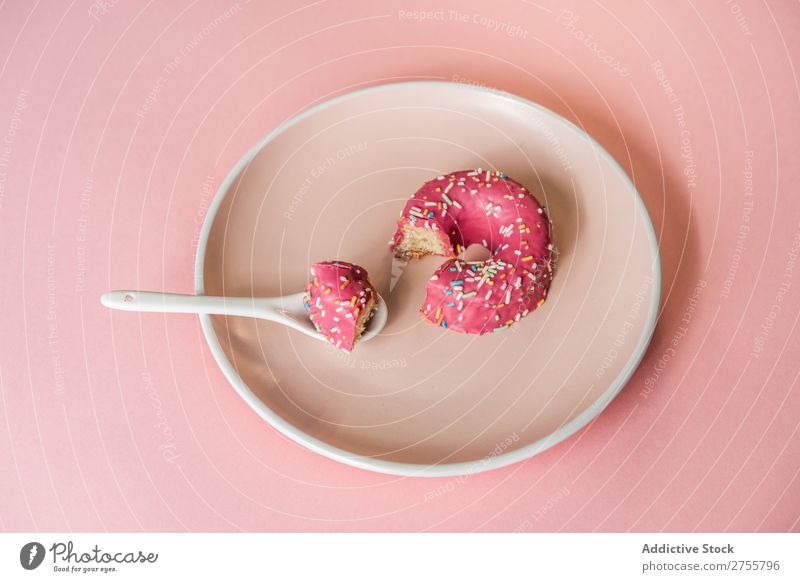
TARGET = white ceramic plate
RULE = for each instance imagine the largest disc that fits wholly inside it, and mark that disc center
(419, 400)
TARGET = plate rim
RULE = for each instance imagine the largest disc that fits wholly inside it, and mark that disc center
(415, 469)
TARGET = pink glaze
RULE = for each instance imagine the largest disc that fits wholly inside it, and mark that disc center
(335, 299)
(490, 209)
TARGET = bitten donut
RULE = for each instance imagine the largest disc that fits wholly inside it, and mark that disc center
(452, 212)
(340, 300)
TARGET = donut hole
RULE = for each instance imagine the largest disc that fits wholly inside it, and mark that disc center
(476, 252)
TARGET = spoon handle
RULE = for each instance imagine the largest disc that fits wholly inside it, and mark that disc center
(176, 303)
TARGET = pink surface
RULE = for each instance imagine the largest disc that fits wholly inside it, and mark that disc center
(117, 125)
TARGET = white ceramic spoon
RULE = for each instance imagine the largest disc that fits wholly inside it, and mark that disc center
(287, 310)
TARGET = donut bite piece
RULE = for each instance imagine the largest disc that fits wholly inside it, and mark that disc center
(340, 300)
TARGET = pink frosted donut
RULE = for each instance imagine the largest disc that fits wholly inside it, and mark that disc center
(340, 300)
(452, 212)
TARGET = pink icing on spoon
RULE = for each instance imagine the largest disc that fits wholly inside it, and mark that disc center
(339, 300)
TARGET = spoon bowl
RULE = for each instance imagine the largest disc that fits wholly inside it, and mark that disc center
(287, 310)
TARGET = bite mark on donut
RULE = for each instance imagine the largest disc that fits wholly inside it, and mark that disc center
(413, 242)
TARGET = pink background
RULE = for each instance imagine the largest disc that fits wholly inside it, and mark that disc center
(123, 422)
